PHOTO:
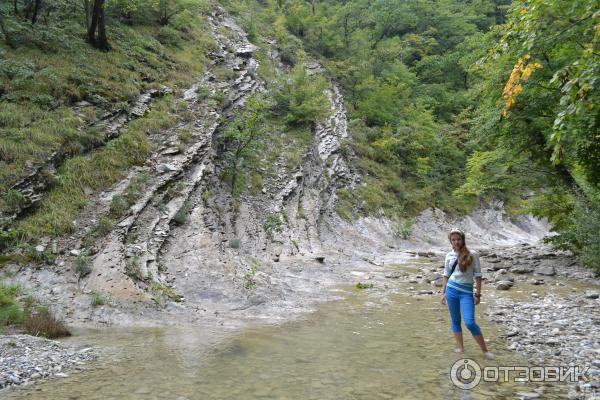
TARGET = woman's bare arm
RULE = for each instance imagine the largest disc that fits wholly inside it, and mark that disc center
(444, 281)
(477, 289)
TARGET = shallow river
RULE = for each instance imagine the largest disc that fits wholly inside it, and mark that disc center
(374, 344)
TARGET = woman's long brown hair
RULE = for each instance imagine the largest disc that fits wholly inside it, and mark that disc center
(464, 255)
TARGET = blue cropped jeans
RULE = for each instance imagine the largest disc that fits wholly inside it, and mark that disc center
(461, 302)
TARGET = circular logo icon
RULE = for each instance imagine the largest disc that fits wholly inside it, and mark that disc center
(465, 373)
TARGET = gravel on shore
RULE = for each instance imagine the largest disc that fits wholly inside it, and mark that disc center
(25, 358)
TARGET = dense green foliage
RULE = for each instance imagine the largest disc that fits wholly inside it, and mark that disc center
(540, 137)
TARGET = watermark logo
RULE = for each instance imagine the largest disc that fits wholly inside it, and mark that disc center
(466, 373)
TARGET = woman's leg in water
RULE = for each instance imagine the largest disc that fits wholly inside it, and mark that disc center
(453, 301)
(467, 307)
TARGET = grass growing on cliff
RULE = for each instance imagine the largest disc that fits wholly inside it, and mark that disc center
(249, 281)
(41, 79)
(10, 312)
(97, 299)
(166, 291)
(40, 321)
(96, 170)
(23, 313)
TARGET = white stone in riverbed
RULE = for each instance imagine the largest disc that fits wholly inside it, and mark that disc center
(85, 350)
(512, 333)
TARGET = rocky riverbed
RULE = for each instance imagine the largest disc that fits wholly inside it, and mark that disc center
(556, 331)
(24, 359)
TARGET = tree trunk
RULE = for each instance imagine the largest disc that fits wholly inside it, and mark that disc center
(163, 8)
(36, 9)
(16, 7)
(102, 39)
(98, 23)
(27, 8)
(94, 23)
(346, 34)
(233, 179)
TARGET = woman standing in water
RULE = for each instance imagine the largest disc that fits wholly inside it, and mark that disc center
(461, 267)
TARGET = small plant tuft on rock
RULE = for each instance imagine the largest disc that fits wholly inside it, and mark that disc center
(361, 285)
(83, 265)
(97, 299)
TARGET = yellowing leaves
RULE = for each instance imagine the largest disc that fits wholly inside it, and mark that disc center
(387, 143)
(520, 73)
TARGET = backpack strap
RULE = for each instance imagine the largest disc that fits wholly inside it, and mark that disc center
(453, 267)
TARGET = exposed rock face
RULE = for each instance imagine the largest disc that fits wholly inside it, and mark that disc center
(484, 227)
(148, 250)
(205, 265)
(138, 244)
